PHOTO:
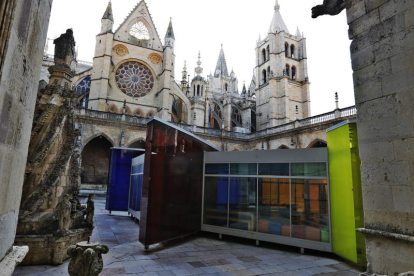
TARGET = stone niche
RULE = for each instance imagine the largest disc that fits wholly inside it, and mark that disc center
(51, 217)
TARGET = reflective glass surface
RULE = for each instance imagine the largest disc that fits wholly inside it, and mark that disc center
(243, 169)
(216, 201)
(217, 169)
(274, 169)
(243, 203)
(309, 169)
(274, 206)
(310, 215)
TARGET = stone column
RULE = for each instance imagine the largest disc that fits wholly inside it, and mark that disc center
(382, 53)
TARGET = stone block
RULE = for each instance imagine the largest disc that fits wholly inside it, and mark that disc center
(355, 11)
(409, 18)
(386, 129)
(372, 72)
(9, 263)
(398, 43)
(373, 4)
(394, 7)
(402, 61)
(389, 257)
(383, 175)
(404, 149)
(368, 91)
(379, 108)
(364, 23)
(398, 82)
(403, 198)
(377, 152)
(391, 221)
(363, 58)
(377, 198)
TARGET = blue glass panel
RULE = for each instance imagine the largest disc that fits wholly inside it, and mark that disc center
(217, 169)
(243, 169)
(119, 179)
(136, 192)
(84, 85)
(243, 203)
(274, 169)
(215, 201)
(309, 169)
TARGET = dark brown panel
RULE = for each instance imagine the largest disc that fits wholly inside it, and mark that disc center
(172, 188)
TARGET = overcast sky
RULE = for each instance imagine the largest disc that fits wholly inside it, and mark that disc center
(205, 25)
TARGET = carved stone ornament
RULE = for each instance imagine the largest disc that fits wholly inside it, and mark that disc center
(86, 258)
(155, 58)
(143, 12)
(121, 50)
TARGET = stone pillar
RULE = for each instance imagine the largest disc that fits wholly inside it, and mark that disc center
(382, 53)
(22, 38)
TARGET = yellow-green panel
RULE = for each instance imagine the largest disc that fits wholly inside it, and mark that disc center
(345, 193)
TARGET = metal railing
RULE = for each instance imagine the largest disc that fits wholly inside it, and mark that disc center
(322, 118)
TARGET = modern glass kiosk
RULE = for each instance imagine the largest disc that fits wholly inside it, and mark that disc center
(279, 196)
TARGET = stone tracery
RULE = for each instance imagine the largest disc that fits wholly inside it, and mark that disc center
(134, 79)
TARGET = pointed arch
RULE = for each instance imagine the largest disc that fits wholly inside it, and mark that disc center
(283, 147)
(268, 52)
(112, 109)
(129, 111)
(264, 76)
(292, 51)
(137, 144)
(318, 143)
(294, 73)
(138, 113)
(287, 49)
(264, 55)
(95, 136)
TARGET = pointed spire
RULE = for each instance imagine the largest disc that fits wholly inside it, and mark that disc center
(298, 35)
(277, 24)
(244, 91)
(108, 13)
(221, 68)
(277, 6)
(170, 30)
(199, 69)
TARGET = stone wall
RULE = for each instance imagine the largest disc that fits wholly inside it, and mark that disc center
(383, 62)
(20, 73)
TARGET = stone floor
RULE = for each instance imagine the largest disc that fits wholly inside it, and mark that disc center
(203, 254)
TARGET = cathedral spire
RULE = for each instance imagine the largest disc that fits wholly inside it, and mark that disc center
(108, 13)
(170, 30)
(221, 68)
(277, 24)
(298, 35)
(199, 69)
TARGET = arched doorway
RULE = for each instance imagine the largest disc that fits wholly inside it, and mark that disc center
(318, 144)
(140, 144)
(95, 161)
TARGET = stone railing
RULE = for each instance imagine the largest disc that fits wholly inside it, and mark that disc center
(315, 120)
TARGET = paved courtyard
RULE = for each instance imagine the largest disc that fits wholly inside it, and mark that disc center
(203, 254)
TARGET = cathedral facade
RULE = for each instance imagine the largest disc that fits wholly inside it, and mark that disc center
(133, 74)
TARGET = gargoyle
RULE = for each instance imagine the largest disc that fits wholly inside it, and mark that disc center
(330, 7)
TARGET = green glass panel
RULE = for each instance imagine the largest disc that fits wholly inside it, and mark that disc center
(243, 169)
(309, 169)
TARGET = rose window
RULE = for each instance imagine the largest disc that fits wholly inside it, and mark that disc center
(140, 31)
(134, 79)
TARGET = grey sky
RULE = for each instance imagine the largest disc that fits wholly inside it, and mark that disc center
(205, 25)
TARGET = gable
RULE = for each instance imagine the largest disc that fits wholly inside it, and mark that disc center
(140, 15)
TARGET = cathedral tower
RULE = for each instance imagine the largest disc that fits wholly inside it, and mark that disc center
(281, 75)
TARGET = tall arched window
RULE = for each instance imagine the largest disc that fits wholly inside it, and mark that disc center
(198, 90)
(226, 87)
(288, 70)
(286, 49)
(264, 76)
(268, 52)
(292, 51)
(264, 55)
(293, 73)
(268, 72)
(194, 90)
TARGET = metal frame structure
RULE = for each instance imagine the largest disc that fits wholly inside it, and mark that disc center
(319, 155)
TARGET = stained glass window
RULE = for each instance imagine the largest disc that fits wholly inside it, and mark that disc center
(140, 31)
(84, 85)
(134, 79)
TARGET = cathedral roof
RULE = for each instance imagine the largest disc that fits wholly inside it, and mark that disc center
(278, 24)
(108, 13)
(221, 68)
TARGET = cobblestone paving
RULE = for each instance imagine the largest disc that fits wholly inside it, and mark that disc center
(198, 255)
